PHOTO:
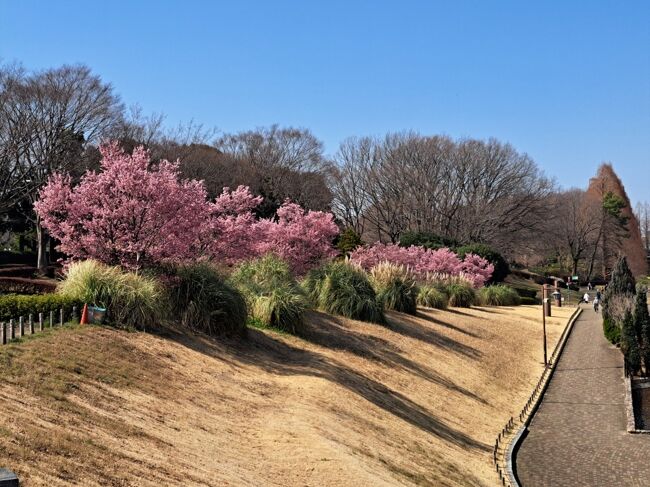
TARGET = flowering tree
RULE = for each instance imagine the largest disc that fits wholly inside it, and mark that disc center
(422, 262)
(134, 214)
(129, 213)
(302, 238)
(235, 231)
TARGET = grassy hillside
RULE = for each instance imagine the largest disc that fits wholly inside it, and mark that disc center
(350, 404)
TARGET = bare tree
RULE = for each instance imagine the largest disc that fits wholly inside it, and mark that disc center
(576, 225)
(469, 190)
(642, 212)
(58, 112)
(289, 163)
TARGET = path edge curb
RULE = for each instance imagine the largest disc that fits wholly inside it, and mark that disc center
(519, 435)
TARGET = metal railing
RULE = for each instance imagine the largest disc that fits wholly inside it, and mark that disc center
(516, 423)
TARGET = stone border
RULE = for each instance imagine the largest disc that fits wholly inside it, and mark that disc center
(520, 434)
(629, 407)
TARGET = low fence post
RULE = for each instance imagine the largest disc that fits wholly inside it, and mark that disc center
(61, 317)
(40, 321)
(3, 338)
(12, 331)
(51, 319)
(31, 324)
(21, 327)
(74, 314)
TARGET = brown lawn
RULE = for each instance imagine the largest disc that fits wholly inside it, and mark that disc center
(419, 403)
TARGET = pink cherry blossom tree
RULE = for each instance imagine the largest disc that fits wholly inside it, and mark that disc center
(130, 213)
(136, 214)
(302, 238)
(422, 262)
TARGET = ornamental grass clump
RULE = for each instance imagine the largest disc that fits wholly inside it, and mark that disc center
(460, 295)
(202, 300)
(432, 297)
(130, 299)
(344, 289)
(274, 297)
(395, 287)
(498, 295)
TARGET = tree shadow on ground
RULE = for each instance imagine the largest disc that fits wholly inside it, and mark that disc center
(334, 333)
(407, 325)
(425, 315)
(281, 358)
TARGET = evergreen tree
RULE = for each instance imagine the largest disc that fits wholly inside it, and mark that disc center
(348, 240)
(630, 344)
(642, 325)
(622, 282)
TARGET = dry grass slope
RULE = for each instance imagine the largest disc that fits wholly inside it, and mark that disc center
(350, 403)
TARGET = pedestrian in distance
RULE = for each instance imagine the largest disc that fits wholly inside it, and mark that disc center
(585, 298)
(596, 304)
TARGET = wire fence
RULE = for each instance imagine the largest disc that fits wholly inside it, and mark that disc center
(516, 423)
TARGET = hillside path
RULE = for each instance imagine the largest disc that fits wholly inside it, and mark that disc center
(578, 436)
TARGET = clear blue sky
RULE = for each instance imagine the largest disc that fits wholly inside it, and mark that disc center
(568, 82)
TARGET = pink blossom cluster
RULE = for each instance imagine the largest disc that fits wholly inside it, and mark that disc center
(136, 214)
(422, 262)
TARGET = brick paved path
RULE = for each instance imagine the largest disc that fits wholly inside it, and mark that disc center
(578, 435)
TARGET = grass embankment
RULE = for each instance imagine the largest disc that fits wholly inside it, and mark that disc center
(352, 403)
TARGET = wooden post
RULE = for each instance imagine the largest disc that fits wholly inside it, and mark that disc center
(3, 338)
(74, 314)
(21, 327)
(51, 319)
(40, 321)
(61, 317)
(544, 320)
(31, 324)
(12, 331)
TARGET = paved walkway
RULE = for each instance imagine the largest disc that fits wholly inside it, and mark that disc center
(578, 435)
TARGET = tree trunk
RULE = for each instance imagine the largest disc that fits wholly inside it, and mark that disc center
(41, 259)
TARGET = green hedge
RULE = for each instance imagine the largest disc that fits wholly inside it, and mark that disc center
(16, 305)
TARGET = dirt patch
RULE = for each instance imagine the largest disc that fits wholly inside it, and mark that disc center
(418, 402)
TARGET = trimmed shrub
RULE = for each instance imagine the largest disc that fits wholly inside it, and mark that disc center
(130, 299)
(343, 289)
(16, 305)
(202, 300)
(395, 287)
(501, 267)
(525, 292)
(432, 297)
(498, 295)
(274, 297)
(612, 331)
(460, 295)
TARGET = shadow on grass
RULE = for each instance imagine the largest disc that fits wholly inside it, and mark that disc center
(407, 325)
(425, 315)
(279, 357)
(331, 332)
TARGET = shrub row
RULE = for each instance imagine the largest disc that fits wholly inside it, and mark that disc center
(499, 295)
(14, 306)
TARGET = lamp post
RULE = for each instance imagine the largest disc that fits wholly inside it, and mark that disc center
(544, 321)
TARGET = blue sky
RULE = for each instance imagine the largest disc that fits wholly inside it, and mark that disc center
(568, 82)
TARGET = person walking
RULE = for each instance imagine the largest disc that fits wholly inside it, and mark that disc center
(585, 298)
(596, 304)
